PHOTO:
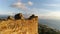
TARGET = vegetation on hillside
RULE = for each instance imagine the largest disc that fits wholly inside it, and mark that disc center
(43, 29)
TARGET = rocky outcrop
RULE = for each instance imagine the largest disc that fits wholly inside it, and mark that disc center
(19, 25)
(32, 16)
(18, 16)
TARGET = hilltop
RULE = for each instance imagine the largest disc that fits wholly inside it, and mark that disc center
(19, 25)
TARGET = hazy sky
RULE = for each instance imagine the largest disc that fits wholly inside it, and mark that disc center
(42, 8)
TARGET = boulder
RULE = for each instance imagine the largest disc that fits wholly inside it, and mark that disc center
(18, 16)
(32, 16)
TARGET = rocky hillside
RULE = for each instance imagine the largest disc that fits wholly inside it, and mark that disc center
(13, 26)
(19, 25)
(43, 29)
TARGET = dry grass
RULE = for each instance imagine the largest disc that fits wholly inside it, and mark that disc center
(9, 27)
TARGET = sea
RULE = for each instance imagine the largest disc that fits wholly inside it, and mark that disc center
(52, 23)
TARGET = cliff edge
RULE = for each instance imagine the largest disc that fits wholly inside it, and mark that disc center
(19, 25)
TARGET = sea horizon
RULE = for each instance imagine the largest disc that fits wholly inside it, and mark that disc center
(53, 23)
